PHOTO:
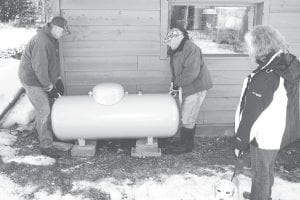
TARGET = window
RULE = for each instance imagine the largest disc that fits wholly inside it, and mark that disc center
(216, 26)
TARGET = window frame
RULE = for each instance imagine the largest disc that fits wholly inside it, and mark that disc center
(165, 8)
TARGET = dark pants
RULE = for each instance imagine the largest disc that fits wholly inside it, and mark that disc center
(262, 166)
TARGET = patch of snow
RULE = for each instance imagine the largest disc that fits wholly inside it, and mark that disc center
(10, 154)
(12, 191)
(23, 112)
(181, 186)
(7, 139)
(12, 37)
(43, 195)
(32, 160)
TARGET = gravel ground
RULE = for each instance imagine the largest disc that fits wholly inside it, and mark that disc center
(113, 159)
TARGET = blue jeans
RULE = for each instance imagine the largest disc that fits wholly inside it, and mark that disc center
(190, 109)
(262, 166)
(39, 100)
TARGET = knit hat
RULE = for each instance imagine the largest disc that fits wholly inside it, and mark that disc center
(60, 22)
(174, 32)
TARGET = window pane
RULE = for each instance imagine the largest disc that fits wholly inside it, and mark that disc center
(216, 29)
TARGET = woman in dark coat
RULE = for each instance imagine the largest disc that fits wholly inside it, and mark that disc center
(267, 116)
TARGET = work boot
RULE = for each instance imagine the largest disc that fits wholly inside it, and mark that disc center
(247, 195)
(187, 144)
(170, 142)
(53, 152)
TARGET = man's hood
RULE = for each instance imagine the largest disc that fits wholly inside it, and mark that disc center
(287, 66)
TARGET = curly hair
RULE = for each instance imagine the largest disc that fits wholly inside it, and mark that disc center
(264, 40)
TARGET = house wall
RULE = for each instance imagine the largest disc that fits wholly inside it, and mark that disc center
(119, 41)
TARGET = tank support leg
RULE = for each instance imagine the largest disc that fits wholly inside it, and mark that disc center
(146, 147)
(81, 142)
(149, 140)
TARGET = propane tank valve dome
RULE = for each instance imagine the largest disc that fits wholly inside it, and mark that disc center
(108, 93)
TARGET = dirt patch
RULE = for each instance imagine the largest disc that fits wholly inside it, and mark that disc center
(113, 160)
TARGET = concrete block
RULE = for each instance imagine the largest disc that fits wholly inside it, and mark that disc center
(88, 150)
(144, 149)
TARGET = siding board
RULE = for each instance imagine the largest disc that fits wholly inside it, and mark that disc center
(217, 90)
(110, 4)
(100, 63)
(154, 88)
(153, 63)
(85, 89)
(110, 48)
(112, 17)
(99, 67)
(228, 63)
(103, 33)
(220, 104)
(225, 91)
(221, 117)
(285, 20)
(228, 77)
(291, 35)
(285, 6)
(295, 49)
(122, 77)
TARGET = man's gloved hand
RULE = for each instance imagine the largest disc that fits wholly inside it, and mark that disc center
(174, 90)
(60, 86)
(53, 93)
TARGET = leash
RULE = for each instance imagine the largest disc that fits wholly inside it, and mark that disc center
(237, 165)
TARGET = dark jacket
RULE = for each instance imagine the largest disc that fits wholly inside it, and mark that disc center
(39, 64)
(269, 107)
(189, 70)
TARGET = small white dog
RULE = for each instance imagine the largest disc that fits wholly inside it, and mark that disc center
(225, 189)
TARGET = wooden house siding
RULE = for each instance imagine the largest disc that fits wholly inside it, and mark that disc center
(119, 41)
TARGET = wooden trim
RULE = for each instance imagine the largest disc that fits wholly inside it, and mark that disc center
(266, 12)
(209, 2)
(110, 4)
(61, 55)
(112, 17)
(164, 18)
(54, 10)
(285, 6)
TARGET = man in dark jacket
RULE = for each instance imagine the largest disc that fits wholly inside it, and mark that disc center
(192, 79)
(267, 117)
(39, 73)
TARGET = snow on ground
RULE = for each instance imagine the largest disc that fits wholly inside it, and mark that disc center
(182, 186)
(10, 190)
(167, 187)
(11, 37)
(32, 160)
(23, 112)
(10, 154)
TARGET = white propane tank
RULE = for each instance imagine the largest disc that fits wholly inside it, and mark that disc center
(134, 116)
